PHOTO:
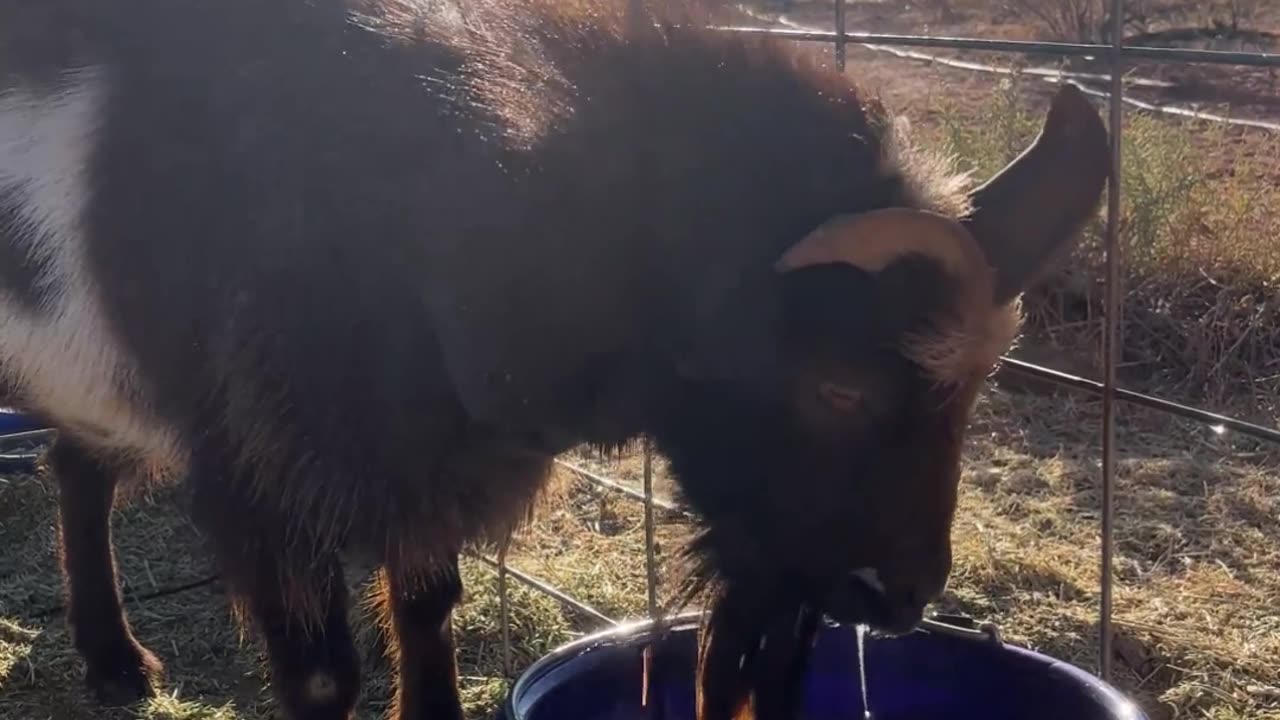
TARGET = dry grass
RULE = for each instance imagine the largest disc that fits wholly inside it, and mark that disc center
(212, 673)
(1089, 20)
(1200, 265)
(1198, 563)
(1198, 197)
(1081, 20)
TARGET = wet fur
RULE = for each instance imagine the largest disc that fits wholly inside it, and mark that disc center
(753, 653)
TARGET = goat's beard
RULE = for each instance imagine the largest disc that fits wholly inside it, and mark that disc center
(754, 645)
(751, 667)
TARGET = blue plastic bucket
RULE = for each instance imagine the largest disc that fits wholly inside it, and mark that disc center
(13, 422)
(930, 674)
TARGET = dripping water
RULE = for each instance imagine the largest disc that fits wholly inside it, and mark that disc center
(862, 668)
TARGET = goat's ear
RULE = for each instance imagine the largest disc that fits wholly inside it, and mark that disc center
(1033, 210)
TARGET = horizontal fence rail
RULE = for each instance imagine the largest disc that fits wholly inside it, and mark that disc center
(1053, 75)
(1093, 387)
(1020, 47)
(546, 589)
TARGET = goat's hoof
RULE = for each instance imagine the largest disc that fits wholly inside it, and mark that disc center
(126, 678)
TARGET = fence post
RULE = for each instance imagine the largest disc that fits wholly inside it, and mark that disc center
(651, 581)
(1110, 339)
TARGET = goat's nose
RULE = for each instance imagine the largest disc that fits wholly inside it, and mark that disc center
(925, 589)
(921, 590)
(899, 604)
(903, 609)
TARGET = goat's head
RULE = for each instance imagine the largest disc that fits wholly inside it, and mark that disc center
(828, 481)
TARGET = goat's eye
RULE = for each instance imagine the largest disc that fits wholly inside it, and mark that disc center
(840, 397)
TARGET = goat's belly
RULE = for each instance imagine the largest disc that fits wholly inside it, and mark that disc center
(57, 352)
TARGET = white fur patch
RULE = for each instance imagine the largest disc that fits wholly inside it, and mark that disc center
(63, 357)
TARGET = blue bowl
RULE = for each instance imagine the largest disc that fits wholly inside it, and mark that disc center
(13, 422)
(936, 673)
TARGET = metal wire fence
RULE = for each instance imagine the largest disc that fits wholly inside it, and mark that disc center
(1116, 54)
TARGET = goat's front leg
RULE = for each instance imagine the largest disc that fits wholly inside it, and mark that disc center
(418, 616)
(118, 669)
